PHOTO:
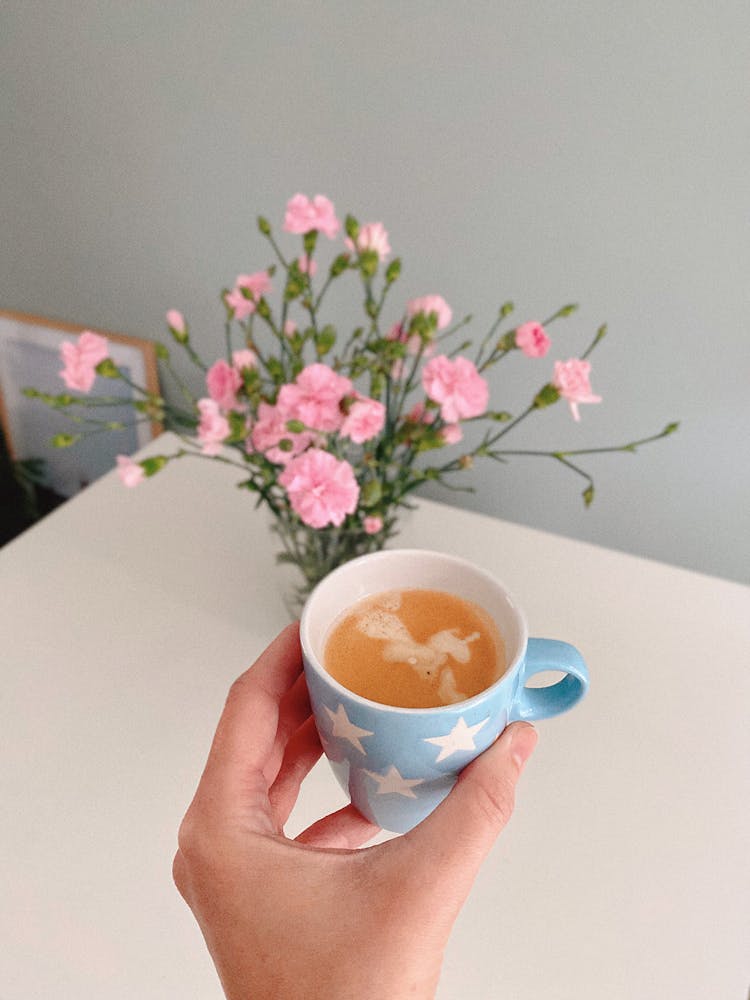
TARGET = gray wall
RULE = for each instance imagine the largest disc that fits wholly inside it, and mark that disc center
(544, 152)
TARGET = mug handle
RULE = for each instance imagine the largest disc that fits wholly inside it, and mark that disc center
(541, 703)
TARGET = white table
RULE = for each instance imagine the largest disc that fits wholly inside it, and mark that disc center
(125, 615)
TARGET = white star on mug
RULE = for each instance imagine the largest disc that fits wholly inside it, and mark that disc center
(461, 737)
(391, 783)
(344, 729)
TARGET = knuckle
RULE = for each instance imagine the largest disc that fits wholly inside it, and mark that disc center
(179, 873)
(191, 839)
(494, 800)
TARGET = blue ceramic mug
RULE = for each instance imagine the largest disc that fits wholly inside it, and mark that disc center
(398, 764)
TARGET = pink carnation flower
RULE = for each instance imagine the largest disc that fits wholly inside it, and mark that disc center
(223, 381)
(372, 236)
(373, 524)
(571, 379)
(431, 304)
(364, 420)
(457, 386)
(213, 428)
(419, 414)
(131, 473)
(176, 322)
(270, 429)
(244, 359)
(452, 433)
(532, 339)
(80, 360)
(315, 397)
(307, 266)
(322, 490)
(302, 215)
(258, 284)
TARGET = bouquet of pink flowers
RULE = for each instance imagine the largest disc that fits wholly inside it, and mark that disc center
(333, 436)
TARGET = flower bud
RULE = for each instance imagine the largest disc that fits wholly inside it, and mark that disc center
(264, 226)
(393, 271)
(466, 462)
(108, 369)
(371, 494)
(546, 396)
(325, 340)
(177, 326)
(339, 265)
(506, 309)
(368, 263)
(64, 440)
(352, 228)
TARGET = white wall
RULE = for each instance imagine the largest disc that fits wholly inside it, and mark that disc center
(544, 152)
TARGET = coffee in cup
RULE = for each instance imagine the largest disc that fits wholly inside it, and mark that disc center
(415, 648)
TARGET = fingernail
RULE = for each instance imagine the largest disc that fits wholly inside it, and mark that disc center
(522, 742)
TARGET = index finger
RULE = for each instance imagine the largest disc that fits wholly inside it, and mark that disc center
(245, 735)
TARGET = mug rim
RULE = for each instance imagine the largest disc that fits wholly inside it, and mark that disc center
(311, 660)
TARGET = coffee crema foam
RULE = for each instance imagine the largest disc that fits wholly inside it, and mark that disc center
(395, 648)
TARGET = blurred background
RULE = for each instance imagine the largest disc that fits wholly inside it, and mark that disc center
(544, 153)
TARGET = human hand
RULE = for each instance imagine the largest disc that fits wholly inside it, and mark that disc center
(315, 917)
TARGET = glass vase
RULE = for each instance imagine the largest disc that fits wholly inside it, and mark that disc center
(308, 554)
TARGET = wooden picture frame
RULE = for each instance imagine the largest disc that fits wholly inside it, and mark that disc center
(30, 357)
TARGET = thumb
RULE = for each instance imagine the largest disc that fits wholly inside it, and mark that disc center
(463, 828)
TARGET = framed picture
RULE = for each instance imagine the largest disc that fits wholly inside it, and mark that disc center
(30, 357)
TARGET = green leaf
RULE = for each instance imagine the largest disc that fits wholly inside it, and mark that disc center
(546, 396)
(108, 369)
(65, 440)
(161, 351)
(154, 464)
(502, 416)
(31, 393)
